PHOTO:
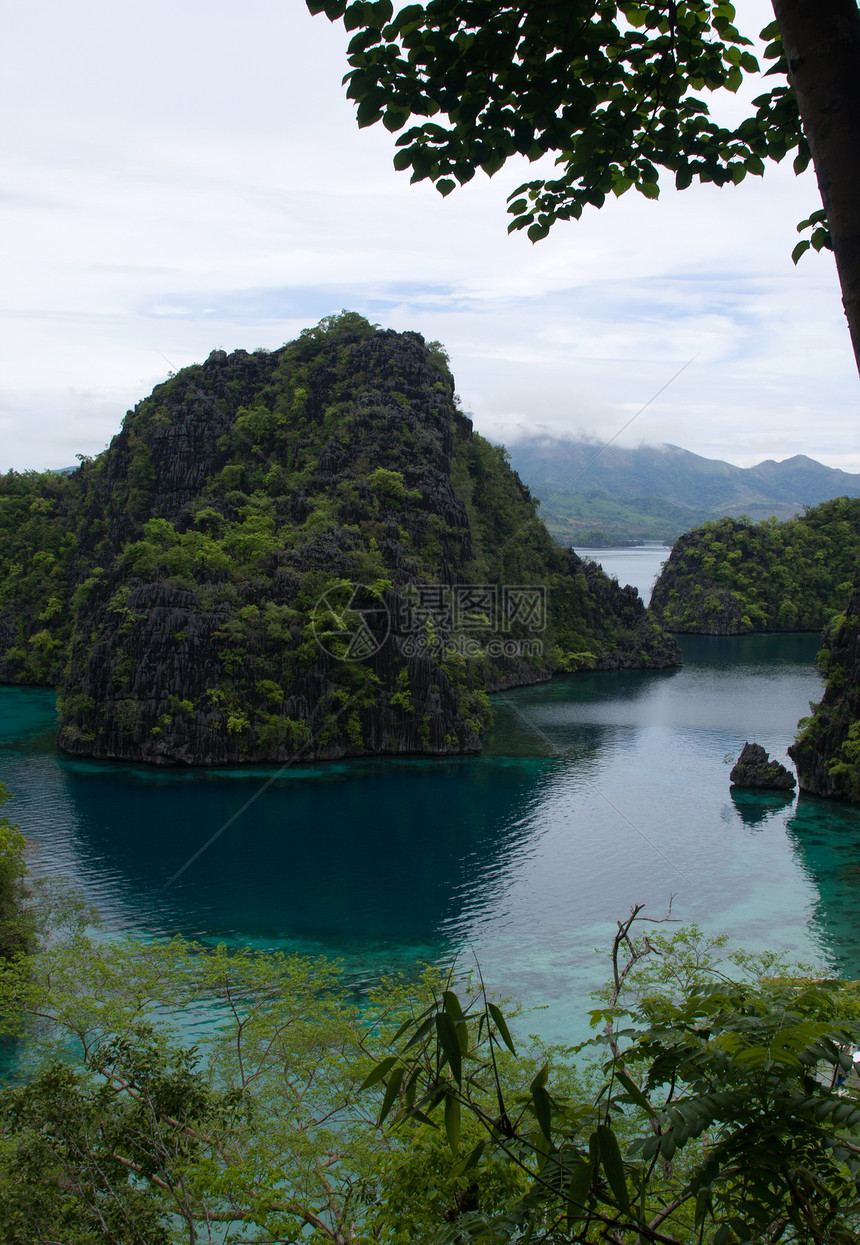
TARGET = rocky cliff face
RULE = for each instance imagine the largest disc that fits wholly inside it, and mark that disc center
(827, 750)
(306, 553)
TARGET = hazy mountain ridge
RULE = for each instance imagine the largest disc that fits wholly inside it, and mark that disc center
(572, 477)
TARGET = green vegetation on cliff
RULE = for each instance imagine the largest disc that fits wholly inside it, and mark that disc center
(37, 544)
(827, 749)
(735, 576)
(299, 551)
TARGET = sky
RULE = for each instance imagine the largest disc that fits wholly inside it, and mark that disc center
(186, 177)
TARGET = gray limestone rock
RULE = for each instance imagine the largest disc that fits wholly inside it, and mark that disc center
(754, 768)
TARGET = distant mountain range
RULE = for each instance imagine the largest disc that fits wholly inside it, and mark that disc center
(591, 495)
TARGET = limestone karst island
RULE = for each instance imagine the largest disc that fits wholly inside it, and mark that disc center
(308, 550)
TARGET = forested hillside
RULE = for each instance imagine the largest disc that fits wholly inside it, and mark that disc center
(592, 494)
(734, 576)
(303, 551)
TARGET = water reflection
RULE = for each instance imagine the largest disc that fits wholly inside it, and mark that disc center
(756, 808)
(594, 792)
(825, 835)
(356, 855)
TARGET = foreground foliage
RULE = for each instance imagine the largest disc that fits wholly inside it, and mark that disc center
(175, 1093)
(719, 1115)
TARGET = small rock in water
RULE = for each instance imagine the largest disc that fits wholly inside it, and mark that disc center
(754, 768)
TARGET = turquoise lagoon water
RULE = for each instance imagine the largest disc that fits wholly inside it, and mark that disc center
(594, 792)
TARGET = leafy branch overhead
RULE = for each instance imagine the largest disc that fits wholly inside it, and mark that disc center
(616, 92)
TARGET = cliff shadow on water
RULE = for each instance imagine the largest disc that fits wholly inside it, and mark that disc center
(825, 835)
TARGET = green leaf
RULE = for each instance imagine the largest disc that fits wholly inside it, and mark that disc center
(801, 162)
(368, 113)
(542, 1105)
(501, 1024)
(472, 1159)
(411, 1088)
(354, 15)
(613, 1164)
(391, 1093)
(333, 9)
(403, 159)
(452, 1121)
(800, 249)
(452, 1006)
(420, 1033)
(577, 1192)
(379, 1072)
(445, 186)
(494, 163)
(634, 1092)
(407, 1025)
(703, 1205)
(450, 1043)
(394, 119)
(413, 13)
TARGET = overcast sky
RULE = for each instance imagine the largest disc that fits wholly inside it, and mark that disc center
(185, 177)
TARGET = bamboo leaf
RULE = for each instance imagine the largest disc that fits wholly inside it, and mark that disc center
(450, 1043)
(542, 1106)
(577, 1192)
(379, 1072)
(391, 1092)
(613, 1164)
(452, 1122)
(472, 1159)
(634, 1092)
(501, 1024)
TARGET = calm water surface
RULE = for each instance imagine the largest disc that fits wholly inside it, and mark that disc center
(594, 792)
(638, 565)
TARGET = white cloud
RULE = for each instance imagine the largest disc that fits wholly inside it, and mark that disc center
(190, 177)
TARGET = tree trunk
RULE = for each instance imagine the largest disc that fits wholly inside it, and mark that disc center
(822, 44)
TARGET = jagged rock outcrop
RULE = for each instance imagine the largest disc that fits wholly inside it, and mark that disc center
(306, 553)
(755, 769)
(827, 749)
